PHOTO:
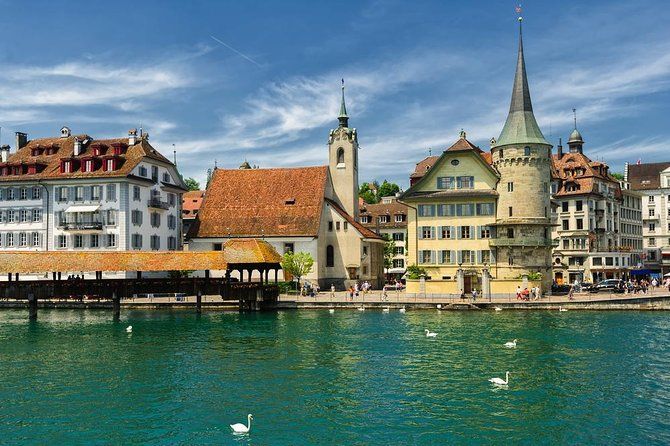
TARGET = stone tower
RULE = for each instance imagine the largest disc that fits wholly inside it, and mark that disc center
(523, 158)
(343, 161)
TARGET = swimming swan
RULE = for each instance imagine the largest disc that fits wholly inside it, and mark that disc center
(499, 381)
(430, 334)
(511, 344)
(240, 428)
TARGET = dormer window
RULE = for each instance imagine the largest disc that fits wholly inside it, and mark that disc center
(119, 148)
(97, 150)
(365, 219)
(52, 150)
(166, 177)
(143, 171)
(384, 219)
(110, 164)
(36, 151)
(66, 166)
(88, 166)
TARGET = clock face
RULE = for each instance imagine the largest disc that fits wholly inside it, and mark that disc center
(455, 162)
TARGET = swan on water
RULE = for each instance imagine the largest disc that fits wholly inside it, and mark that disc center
(129, 329)
(331, 310)
(430, 334)
(562, 309)
(240, 428)
(498, 309)
(499, 381)
(361, 308)
(402, 310)
(511, 344)
(386, 309)
(439, 306)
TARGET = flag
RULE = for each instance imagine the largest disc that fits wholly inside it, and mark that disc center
(639, 161)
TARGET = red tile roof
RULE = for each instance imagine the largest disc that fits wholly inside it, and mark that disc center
(646, 176)
(191, 202)
(63, 148)
(365, 232)
(577, 169)
(391, 209)
(262, 202)
(461, 144)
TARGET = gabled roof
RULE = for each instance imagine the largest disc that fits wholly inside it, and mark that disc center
(646, 176)
(64, 149)
(577, 168)
(262, 202)
(191, 202)
(423, 166)
(391, 209)
(365, 232)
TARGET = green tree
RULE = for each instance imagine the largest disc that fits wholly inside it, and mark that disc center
(618, 176)
(297, 264)
(367, 193)
(414, 272)
(387, 189)
(389, 251)
(192, 184)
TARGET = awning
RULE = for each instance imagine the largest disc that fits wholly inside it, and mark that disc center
(82, 208)
(395, 271)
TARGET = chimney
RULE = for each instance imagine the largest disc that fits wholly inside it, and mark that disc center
(132, 137)
(21, 140)
(4, 154)
(77, 147)
(560, 148)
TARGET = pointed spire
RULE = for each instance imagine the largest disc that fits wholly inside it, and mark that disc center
(343, 117)
(521, 126)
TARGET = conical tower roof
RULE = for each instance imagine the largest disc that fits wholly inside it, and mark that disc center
(343, 117)
(521, 126)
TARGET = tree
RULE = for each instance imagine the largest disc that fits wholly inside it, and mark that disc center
(387, 189)
(389, 251)
(297, 264)
(414, 272)
(618, 176)
(368, 194)
(192, 184)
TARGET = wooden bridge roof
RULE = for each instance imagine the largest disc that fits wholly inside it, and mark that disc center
(235, 252)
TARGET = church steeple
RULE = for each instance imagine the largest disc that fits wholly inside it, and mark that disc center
(343, 117)
(520, 126)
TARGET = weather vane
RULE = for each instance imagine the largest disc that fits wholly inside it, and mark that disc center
(518, 11)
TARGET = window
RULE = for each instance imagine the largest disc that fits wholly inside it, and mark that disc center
(446, 210)
(510, 187)
(399, 250)
(23, 239)
(330, 256)
(155, 242)
(398, 236)
(597, 261)
(88, 166)
(346, 225)
(79, 193)
(364, 219)
(384, 218)
(465, 182)
(340, 156)
(565, 225)
(566, 243)
(510, 211)
(23, 215)
(143, 171)
(136, 217)
(651, 255)
(136, 193)
(425, 256)
(486, 256)
(651, 212)
(61, 194)
(445, 182)
(398, 263)
(485, 232)
(166, 177)
(426, 210)
(399, 218)
(652, 241)
(330, 226)
(426, 232)
(155, 220)
(510, 232)
(580, 223)
(651, 198)
(652, 227)
(465, 210)
(172, 222)
(564, 206)
(337, 225)
(172, 200)
(445, 257)
(23, 193)
(111, 217)
(136, 241)
(172, 243)
(217, 246)
(111, 240)
(465, 231)
(96, 193)
(484, 208)
(526, 151)
(62, 241)
(578, 205)
(11, 216)
(37, 193)
(10, 193)
(467, 257)
(94, 241)
(510, 260)
(446, 232)
(78, 241)
(36, 238)
(109, 164)
(288, 247)
(154, 173)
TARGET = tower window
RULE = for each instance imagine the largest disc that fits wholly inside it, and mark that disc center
(340, 156)
(510, 187)
(526, 151)
(510, 232)
(330, 256)
(510, 211)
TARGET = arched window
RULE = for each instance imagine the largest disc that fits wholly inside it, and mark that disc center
(340, 156)
(330, 256)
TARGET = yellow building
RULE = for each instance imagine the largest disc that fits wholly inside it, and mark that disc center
(453, 215)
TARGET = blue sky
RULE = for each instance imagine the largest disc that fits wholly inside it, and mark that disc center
(416, 73)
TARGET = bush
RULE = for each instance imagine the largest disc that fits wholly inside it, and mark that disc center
(415, 271)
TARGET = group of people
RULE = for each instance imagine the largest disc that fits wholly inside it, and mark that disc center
(526, 294)
(309, 289)
(358, 288)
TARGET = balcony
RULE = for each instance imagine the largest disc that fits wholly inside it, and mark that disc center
(81, 226)
(156, 203)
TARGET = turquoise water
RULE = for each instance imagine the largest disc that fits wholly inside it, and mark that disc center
(349, 378)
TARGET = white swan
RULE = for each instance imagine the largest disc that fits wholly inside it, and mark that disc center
(402, 310)
(331, 310)
(386, 309)
(430, 334)
(129, 329)
(439, 306)
(497, 309)
(499, 381)
(361, 308)
(562, 309)
(240, 428)
(511, 344)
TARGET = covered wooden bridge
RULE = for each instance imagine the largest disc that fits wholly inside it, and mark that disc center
(237, 255)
